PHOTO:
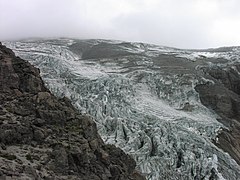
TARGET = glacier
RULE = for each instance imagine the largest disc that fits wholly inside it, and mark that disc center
(142, 98)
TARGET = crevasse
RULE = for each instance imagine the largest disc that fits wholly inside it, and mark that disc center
(143, 104)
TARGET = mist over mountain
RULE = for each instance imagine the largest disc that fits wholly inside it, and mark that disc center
(181, 24)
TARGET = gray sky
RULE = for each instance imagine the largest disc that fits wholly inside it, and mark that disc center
(177, 23)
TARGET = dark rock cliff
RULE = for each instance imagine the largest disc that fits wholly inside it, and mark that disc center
(223, 96)
(43, 137)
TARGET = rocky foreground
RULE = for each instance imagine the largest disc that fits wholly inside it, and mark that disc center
(43, 137)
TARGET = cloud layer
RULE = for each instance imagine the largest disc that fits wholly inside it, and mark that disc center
(183, 24)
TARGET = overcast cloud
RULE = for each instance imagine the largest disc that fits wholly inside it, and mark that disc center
(177, 23)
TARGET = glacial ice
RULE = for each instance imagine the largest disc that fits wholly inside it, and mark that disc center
(152, 114)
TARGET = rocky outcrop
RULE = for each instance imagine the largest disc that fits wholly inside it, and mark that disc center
(223, 96)
(43, 137)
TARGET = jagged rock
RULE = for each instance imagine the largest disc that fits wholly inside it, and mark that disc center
(223, 96)
(38, 135)
(39, 122)
(220, 99)
(47, 136)
(230, 78)
(60, 159)
(9, 134)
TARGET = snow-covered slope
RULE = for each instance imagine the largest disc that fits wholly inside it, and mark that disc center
(143, 99)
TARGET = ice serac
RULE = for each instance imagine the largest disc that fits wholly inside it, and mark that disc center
(43, 137)
(147, 100)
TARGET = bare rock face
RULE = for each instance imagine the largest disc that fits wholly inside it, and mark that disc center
(224, 98)
(43, 137)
